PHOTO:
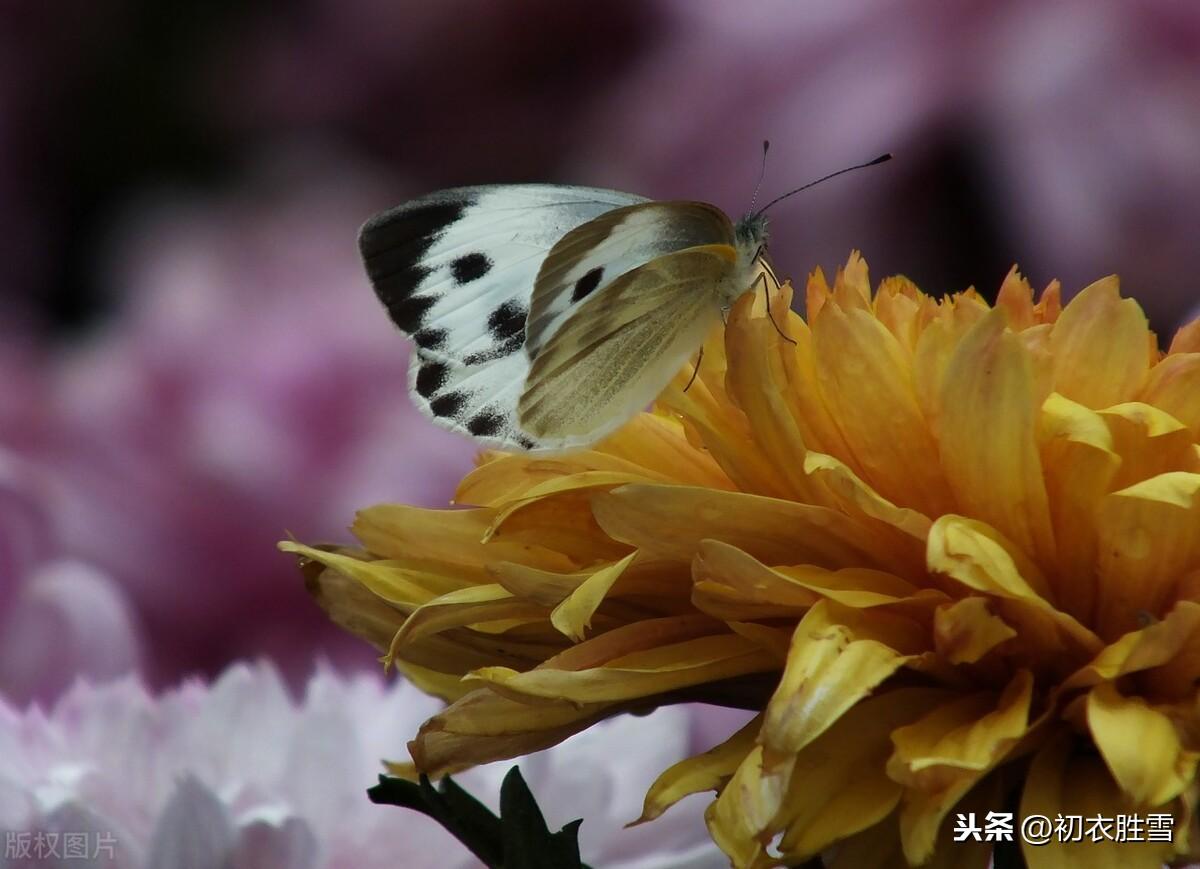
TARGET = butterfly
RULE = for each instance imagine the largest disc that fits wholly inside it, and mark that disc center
(546, 316)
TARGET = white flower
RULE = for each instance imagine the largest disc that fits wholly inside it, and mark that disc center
(238, 775)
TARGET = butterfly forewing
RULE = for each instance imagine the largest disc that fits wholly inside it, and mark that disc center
(597, 253)
(619, 349)
(455, 270)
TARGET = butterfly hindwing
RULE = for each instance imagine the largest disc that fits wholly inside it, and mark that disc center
(596, 253)
(618, 349)
(455, 270)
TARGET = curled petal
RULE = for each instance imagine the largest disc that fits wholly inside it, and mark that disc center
(1140, 746)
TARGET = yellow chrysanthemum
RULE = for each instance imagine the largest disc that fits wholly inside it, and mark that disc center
(950, 551)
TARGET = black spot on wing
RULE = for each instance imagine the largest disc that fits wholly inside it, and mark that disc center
(508, 321)
(448, 405)
(485, 423)
(431, 377)
(470, 268)
(430, 339)
(585, 285)
(393, 247)
(512, 345)
(408, 313)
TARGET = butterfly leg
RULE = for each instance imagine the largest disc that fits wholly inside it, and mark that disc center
(770, 316)
(696, 370)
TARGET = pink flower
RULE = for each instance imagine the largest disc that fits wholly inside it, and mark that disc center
(1060, 136)
(252, 387)
(59, 618)
(240, 774)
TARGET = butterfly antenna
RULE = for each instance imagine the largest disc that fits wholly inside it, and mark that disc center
(880, 159)
(762, 172)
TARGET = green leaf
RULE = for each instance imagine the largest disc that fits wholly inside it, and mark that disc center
(518, 839)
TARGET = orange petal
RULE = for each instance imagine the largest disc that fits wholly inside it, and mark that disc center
(669, 522)
(1174, 386)
(1148, 440)
(1187, 339)
(795, 587)
(1140, 746)
(1100, 346)
(758, 381)
(866, 379)
(447, 541)
(898, 307)
(989, 449)
(1015, 298)
(979, 558)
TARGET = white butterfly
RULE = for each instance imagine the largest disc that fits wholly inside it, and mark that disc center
(546, 316)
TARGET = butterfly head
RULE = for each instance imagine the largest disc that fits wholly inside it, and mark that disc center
(750, 234)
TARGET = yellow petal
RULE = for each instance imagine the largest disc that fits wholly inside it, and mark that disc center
(481, 603)
(759, 350)
(852, 284)
(447, 541)
(1187, 339)
(935, 350)
(395, 584)
(854, 496)
(1100, 347)
(482, 727)
(794, 588)
(989, 416)
(1174, 386)
(967, 630)
(1061, 783)
(739, 820)
(1015, 298)
(840, 787)
(670, 521)
(898, 305)
(941, 757)
(1149, 441)
(865, 378)
(638, 674)
(1152, 536)
(731, 585)
(347, 602)
(1147, 648)
(1140, 746)
(838, 656)
(574, 615)
(704, 772)
(875, 846)
(1080, 462)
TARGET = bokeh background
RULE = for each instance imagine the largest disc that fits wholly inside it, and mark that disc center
(192, 364)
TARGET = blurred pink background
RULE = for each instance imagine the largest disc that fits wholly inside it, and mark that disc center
(192, 363)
